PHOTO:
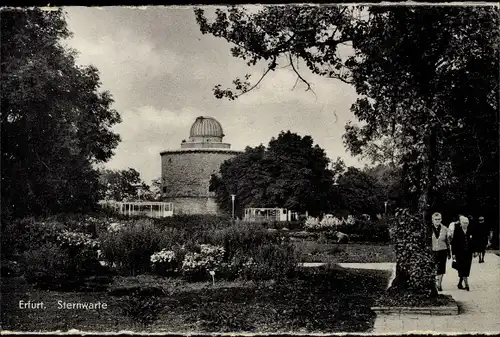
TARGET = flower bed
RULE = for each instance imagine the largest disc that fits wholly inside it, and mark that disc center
(212, 249)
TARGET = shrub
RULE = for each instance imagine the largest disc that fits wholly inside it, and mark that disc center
(367, 231)
(253, 252)
(311, 223)
(75, 222)
(21, 235)
(46, 266)
(195, 222)
(196, 265)
(291, 225)
(77, 240)
(240, 238)
(56, 266)
(10, 268)
(328, 223)
(131, 247)
(271, 261)
(415, 266)
(230, 270)
(164, 262)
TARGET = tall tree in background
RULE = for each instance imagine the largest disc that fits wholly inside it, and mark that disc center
(359, 193)
(121, 185)
(423, 73)
(388, 184)
(55, 122)
(152, 192)
(290, 173)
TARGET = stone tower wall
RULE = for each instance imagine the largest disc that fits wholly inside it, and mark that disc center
(194, 205)
(186, 178)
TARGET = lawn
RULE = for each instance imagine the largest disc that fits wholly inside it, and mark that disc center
(312, 251)
(324, 300)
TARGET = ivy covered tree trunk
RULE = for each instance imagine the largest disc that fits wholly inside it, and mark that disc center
(414, 260)
(412, 234)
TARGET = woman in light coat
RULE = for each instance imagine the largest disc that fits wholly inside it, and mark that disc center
(440, 248)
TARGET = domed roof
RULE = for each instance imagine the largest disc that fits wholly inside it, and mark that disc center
(206, 126)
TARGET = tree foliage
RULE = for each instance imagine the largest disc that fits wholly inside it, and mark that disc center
(359, 193)
(419, 71)
(419, 88)
(427, 77)
(388, 184)
(290, 173)
(152, 192)
(55, 122)
(121, 185)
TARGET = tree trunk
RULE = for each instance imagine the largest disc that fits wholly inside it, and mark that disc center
(425, 200)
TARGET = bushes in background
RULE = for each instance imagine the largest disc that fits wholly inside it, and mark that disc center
(71, 248)
(193, 222)
(261, 254)
(271, 261)
(130, 247)
(64, 264)
(241, 250)
(367, 231)
(291, 225)
(197, 265)
(358, 230)
(26, 234)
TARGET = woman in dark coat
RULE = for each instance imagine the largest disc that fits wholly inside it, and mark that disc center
(463, 248)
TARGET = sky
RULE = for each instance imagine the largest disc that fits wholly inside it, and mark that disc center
(160, 70)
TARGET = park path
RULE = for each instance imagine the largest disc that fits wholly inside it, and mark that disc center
(479, 308)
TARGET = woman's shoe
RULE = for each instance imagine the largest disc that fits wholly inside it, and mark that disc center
(460, 286)
(467, 288)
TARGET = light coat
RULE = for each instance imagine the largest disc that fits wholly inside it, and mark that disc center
(443, 241)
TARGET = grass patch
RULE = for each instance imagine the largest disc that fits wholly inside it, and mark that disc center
(323, 300)
(312, 251)
(389, 299)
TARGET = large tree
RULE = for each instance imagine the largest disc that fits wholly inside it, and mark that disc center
(359, 193)
(423, 74)
(121, 185)
(290, 173)
(55, 122)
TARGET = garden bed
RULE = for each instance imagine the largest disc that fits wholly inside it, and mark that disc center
(313, 251)
(333, 300)
(397, 303)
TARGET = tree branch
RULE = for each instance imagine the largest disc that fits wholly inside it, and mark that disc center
(300, 77)
(271, 66)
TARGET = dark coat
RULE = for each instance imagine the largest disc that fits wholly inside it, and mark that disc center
(483, 234)
(464, 243)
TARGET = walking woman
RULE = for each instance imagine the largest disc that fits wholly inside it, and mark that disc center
(483, 235)
(440, 248)
(463, 248)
